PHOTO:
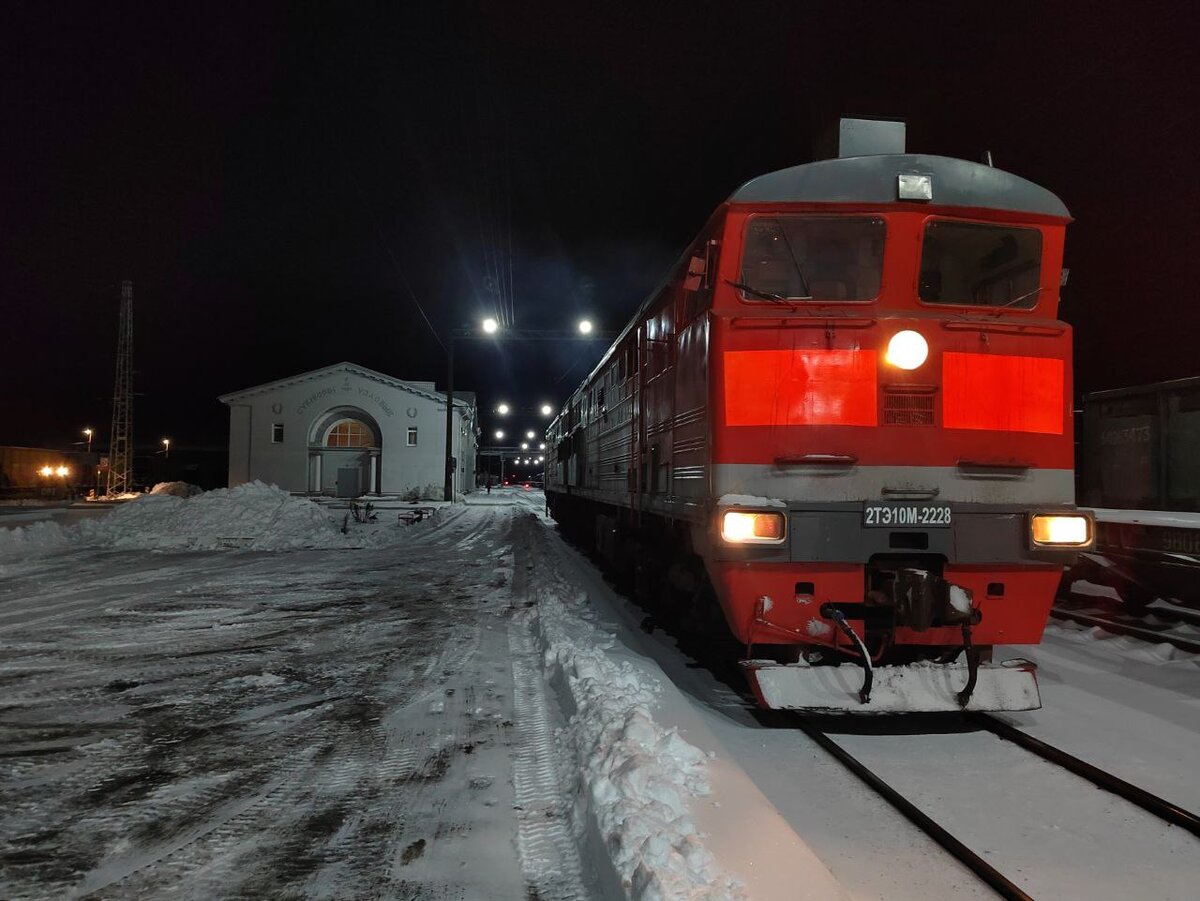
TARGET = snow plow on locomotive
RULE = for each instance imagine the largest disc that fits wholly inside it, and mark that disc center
(845, 415)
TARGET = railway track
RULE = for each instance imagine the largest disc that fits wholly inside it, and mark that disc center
(1154, 626)
(1001, 884)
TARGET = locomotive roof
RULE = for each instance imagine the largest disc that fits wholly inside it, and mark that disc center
(872, 179)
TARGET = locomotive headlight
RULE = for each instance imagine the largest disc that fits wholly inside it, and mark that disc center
(907, 350)
(751, 527)
(1060, 530)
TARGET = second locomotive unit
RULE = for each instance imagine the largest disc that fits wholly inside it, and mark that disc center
(845, 417)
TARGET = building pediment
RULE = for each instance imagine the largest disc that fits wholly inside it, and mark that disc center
(350, 373)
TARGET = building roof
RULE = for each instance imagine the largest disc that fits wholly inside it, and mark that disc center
(461, 398)
(873, 179)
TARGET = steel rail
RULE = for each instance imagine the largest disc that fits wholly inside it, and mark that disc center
(1141, 633)
(968, 858)
(1172, 813)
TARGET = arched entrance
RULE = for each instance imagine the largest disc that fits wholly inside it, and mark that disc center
(344, 449)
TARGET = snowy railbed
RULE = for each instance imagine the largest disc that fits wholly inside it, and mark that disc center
(640, 778)
(254, 516)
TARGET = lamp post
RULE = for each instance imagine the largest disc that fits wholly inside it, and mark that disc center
(489, 329)
(166, 443)
(87, 434)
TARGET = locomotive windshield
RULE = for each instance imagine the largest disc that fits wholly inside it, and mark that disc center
(812, 258)
(980, 265)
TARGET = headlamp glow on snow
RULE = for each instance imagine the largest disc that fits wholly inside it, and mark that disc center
(752, 527)
(1060, 530)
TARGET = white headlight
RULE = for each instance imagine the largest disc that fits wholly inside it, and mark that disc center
(907, 350)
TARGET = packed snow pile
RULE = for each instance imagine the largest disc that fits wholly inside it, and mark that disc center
(639, 777)
(177, 489)
(254, 515)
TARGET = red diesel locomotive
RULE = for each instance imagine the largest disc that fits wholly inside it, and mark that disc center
(846, 416)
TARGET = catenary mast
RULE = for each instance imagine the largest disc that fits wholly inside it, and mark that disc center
(120, 453)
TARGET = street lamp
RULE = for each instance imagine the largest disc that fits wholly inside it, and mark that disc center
(547, 410)
(502, 409)
(87, 433)
(585, 326)
(166, 442)
(524, 445)
(542, 445)
(531, 434)
(490, 326)
(499, 434)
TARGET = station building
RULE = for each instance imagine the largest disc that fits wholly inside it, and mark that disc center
(346, 430)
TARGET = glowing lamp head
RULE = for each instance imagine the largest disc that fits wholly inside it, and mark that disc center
(1061, 530)
(547, 409)
(752, 527)
(524, 445)
(499, 434)
(502, 409)
(531, 434)
(585, 327)
(490, 326)
(907, 350)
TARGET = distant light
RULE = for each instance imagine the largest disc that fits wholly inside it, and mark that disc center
(47, 471)
(524, 445)
(907, 350)
(62, 471)
(499, 434)
(540, 459)
(531, 434)
(490, 325)
(547, 410)
(502, 409)
(542, 446)
(585, 326)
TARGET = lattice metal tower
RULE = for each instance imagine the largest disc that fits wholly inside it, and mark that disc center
(120, 451)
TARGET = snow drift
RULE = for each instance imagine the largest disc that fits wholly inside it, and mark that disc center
(254, 515)
(640, 778)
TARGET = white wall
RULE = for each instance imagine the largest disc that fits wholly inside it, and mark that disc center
(303, 406)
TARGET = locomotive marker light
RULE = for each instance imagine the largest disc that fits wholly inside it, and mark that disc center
(750, 527)
(907, 350)
(1060, 530)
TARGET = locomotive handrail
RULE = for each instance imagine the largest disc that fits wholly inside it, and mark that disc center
(817, 460)
(800, 320)
(1012, 328)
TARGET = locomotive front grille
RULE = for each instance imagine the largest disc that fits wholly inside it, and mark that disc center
(907, 407)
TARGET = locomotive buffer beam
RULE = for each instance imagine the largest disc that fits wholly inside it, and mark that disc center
(923, 687)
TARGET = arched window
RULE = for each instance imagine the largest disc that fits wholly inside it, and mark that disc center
(349, 433)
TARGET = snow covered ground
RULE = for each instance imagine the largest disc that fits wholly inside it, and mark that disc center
(229, 696)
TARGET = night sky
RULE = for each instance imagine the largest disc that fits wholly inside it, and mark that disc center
(281, 182)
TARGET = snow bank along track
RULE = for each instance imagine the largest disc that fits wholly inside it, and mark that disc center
(1006, 888)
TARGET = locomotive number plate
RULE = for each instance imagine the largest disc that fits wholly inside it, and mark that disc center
(907, 516)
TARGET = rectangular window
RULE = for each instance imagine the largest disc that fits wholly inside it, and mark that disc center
(970, 264)
(820, 258)
(277, 433)
(412, 436)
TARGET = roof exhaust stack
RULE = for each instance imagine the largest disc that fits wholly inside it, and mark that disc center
(861, 137)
